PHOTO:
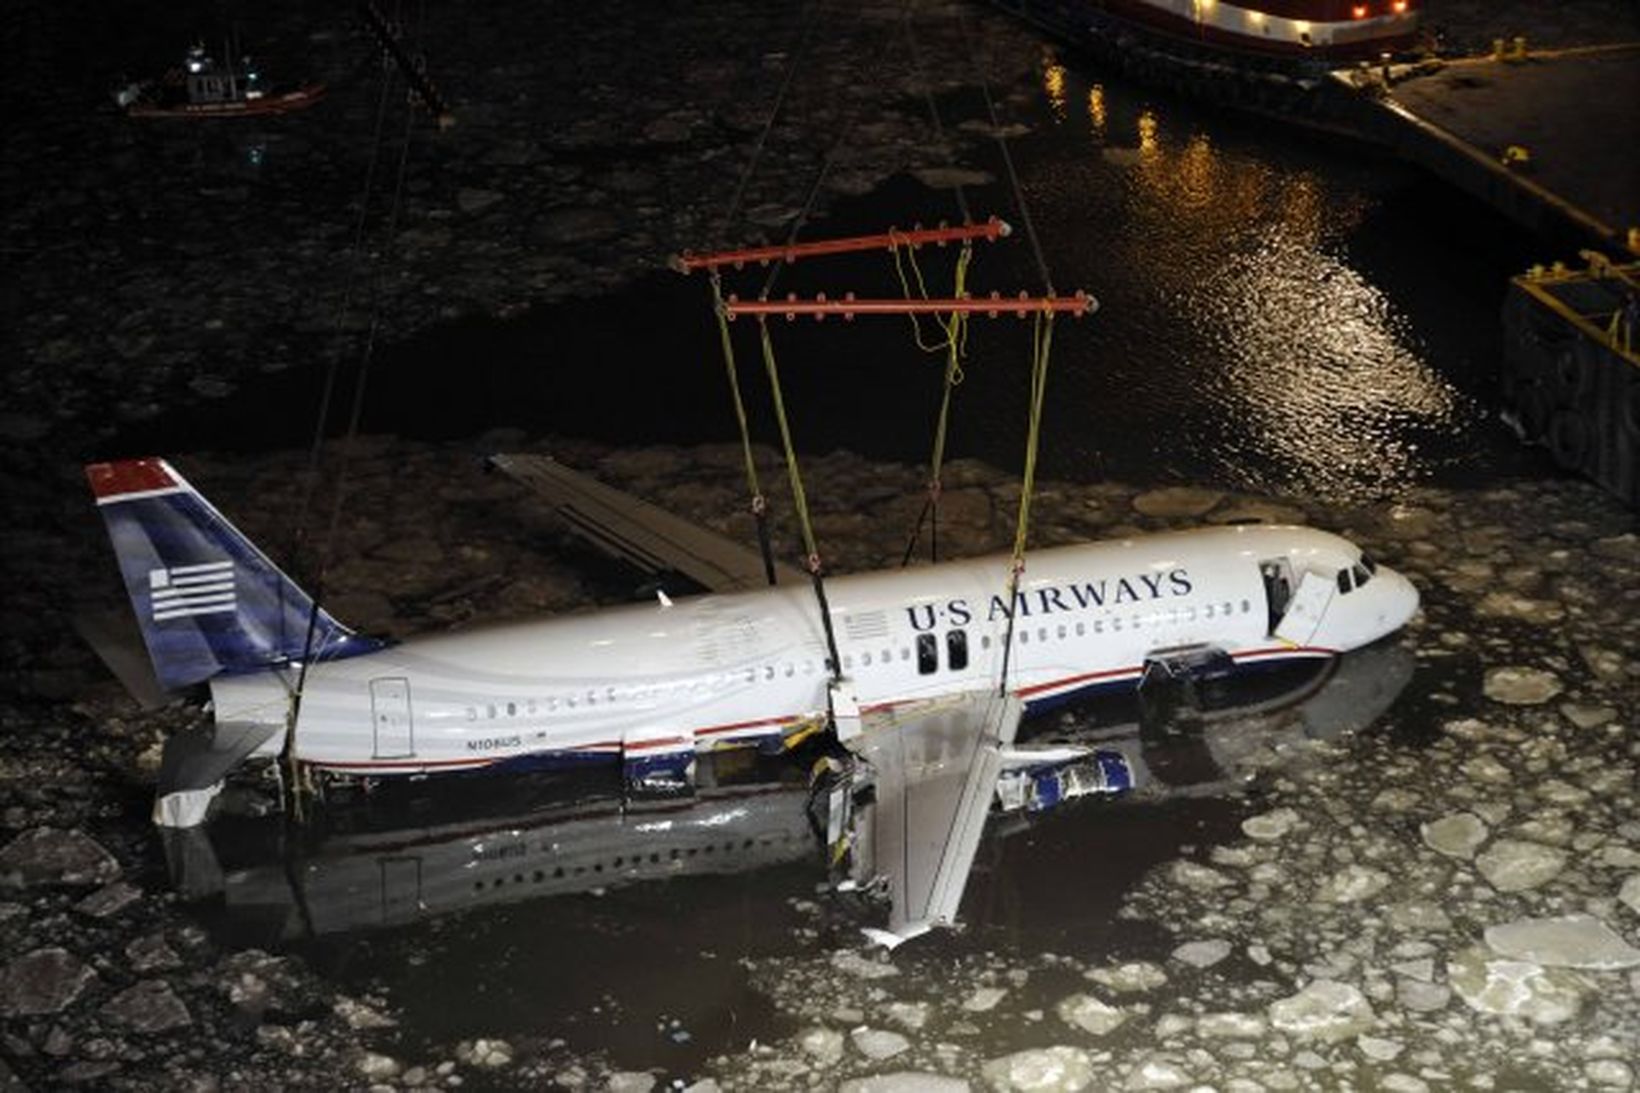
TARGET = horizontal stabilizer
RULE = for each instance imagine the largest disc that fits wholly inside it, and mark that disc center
(637, 532)
(200, 758)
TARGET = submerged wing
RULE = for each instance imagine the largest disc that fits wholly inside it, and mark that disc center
(643, 534)
(934, 771)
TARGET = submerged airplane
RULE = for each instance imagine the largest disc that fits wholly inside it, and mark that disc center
(917, 695)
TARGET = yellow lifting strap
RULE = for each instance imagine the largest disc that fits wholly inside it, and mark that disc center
(799, 497)
(955, 346)
(760, 505)
(1042, 345)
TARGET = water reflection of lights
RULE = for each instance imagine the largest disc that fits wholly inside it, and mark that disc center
(1053, 85)
(1096, 109)
(1318, 370)
(1149, 146)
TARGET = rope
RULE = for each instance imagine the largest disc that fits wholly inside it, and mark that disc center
(355, 415)
(956, 341)
(810, 22)
(1008, 162)
(800, 498)
(1042, 343)
(759, 504)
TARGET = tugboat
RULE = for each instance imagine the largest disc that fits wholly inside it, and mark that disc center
(202, 88)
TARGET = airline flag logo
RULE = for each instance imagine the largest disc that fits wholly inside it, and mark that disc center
(184, 590)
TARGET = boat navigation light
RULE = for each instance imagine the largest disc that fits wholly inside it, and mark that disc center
(1360, 11)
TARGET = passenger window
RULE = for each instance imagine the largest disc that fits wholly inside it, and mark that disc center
(1081, 629)
(1061, 633)
(512, 709)
(865, 659)
(1115, 624)
(928, 658)
(956, 649)
(492, 711)
(1042, 634)
(1208, 611)
(1246, 607)
(1024, 637)
(1098, 626)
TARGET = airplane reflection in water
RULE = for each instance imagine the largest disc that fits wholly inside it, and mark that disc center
(442, 860)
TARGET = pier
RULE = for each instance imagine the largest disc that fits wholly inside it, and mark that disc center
(1549, 139)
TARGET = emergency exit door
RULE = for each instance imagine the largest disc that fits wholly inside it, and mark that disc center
(394, 735)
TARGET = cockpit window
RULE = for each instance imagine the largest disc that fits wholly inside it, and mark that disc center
(1345, 585)
(1368, 564)
(1362, 575)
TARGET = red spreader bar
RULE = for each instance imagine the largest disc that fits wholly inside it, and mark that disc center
(992, 230)
(990, 306)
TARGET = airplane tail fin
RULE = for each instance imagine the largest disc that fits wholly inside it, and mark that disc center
(207, 600)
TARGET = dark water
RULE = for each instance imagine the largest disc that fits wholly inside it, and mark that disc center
(1275, 316)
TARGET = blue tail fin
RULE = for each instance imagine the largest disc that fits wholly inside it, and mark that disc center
(207, 600)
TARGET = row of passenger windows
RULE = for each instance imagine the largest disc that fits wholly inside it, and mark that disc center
(928, 660)
(654, 858)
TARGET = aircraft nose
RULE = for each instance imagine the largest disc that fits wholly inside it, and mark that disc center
(1403, 600)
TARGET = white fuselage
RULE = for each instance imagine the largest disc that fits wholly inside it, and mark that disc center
(656, 679)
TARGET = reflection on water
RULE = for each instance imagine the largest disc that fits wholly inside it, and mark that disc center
(496, 906)
(1249, 328)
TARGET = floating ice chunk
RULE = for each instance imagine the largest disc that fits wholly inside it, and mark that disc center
(1509, 605)
(1129, 978)
(905, 1081)
(1270, 826)
(823, 1045)
(1231, 1026)
(1090, 1014)
(1352, 884)
(1420, 997)
(853, 963)
(1487, 770)
(908, 1015)
(375, 1067)
(1588, 717)
(488, 1054)
(1325, 1010)
(1422, 970)
(984, 999)
(1177, 501)
(1517, 988)
(1057, 1069)
(1630, 893)
(1513, 865)
(1200, 878)
(1571, 941)
(630, 1081)
(878, 1043)
(1611, 1073)
(1457, 835)
(1202, 954)
(1378, 1049)
(1403, 1083)
(1158, 1072)
(1395, 799)
(1558, 791)
(1517, 686)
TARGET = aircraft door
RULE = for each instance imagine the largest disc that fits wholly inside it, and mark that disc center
(393, 731)
(401, 889)
(1309, 603)
(1277, 574)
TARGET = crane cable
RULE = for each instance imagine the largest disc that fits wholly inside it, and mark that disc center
(800, 500)
(759, 502)
(292, 765)
(956, 331)
(1042, 343)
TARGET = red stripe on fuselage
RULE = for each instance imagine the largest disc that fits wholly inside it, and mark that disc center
(128, 476)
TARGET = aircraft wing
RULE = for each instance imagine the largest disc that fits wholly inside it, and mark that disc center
(638, 532)
(934, 770)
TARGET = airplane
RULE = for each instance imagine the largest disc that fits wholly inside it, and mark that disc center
(412, 857)
(916, 697)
